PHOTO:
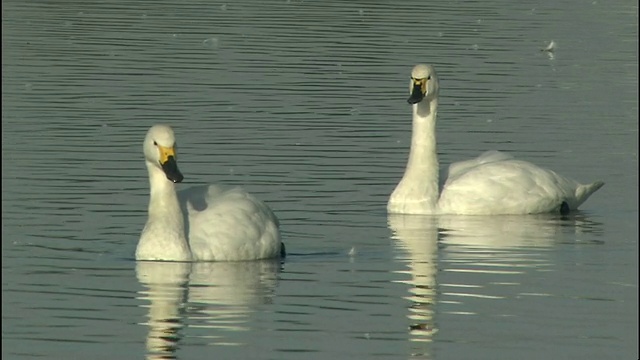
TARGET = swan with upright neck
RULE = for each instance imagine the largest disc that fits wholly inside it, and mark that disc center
(491, 184)
(202, 223)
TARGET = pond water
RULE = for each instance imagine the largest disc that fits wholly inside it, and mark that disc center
(304, 104)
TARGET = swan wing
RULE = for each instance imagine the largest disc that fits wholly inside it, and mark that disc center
(228, 224)
(497, 184)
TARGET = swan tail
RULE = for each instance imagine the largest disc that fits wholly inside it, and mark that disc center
(584, 191)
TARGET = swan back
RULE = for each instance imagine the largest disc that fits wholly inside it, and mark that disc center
(495, 183)
(460, 167)
(229, 224)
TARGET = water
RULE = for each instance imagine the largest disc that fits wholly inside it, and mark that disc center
(304, 103)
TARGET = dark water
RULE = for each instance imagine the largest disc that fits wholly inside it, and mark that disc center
(304, 103)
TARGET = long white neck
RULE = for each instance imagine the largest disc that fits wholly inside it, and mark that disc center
(417, 192)
(163, 237)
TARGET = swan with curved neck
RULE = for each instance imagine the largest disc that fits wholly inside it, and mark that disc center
(202, 223)
(491, 184)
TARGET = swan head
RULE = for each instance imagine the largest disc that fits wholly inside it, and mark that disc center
(160, 151)
(424, 84)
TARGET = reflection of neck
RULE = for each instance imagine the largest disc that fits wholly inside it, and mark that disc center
(165, 324)
(423, 267)
(166, 290)
(423, 297)
(419, 236)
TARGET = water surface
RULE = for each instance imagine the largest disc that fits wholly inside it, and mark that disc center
(304, 104)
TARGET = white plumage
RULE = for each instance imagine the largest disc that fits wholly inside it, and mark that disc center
(202, 223)
(493, 183)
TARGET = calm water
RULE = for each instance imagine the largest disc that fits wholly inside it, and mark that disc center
(304, 103)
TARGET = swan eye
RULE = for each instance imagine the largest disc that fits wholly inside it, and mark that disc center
(429, 77)
(155, 143)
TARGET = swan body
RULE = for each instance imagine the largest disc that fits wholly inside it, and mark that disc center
(202, 223)
(491, 184)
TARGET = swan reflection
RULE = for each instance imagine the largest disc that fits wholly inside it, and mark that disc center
(496, 247)
(211, 302)
(223, 295)
(166, 290)
(485, 257)
(512, 231)
(417, 236)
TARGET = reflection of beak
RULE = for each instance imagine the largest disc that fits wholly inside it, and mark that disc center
(169, 164)
(418, 92)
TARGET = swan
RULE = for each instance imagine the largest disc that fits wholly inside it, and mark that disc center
(491, 184)
(202, 223)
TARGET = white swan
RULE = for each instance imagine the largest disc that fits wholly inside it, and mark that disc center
(493, 183)
(221, 224)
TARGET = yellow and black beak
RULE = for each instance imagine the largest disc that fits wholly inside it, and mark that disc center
(169, 164)
(418, 90)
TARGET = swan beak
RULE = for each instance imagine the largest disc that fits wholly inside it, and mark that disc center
(169, 164)
(418, 91)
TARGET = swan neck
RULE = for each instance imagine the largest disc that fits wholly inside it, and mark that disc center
(418, 191)
(163, 237)
(423, 157)
(163, 198)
